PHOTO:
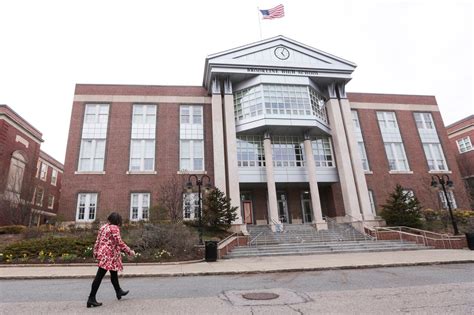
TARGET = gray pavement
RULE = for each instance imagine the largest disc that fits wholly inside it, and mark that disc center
(249, 265)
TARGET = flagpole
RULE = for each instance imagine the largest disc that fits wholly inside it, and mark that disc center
(259, 22)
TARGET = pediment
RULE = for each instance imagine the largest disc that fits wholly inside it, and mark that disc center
(279, 53)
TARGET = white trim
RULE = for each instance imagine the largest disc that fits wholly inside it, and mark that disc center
(394, 106)
(439, 172)
(20, 128)
(141, 172)
(89, 173)
(143, 99)
(400, 172)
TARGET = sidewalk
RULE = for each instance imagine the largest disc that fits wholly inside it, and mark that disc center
(250, 265)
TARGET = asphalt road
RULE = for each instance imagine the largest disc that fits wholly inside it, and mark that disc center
(438, 289)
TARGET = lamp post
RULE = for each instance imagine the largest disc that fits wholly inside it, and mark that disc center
(443, 181)
(199, 182)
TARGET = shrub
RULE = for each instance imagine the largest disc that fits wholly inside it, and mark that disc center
(50, 247)
(402, 209)
(176, 239)
(218, 212)
(12, 229)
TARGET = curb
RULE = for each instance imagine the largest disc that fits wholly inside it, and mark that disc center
(217, 273)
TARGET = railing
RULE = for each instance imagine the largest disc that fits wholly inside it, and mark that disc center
(427, 238)
(254, 241)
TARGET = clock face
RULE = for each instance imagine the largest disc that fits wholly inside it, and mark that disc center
(282, 53)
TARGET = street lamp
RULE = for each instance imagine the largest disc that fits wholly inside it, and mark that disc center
(199, 182)
(444, 181)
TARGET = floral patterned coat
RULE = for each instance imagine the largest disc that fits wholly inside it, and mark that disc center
(108, 248)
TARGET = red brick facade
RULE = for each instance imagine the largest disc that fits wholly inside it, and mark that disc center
(114, 187)
(457, 131)
(20, 140)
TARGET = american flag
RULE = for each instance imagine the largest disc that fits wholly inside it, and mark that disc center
(273, 13)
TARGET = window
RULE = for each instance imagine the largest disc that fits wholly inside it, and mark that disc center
(464, 144)
(139, 207)
(15, 174)
(322, 152)
(372, 202)
(444, 203)
(409, 194)
(54, 177)
(363, 156)
(43, 171)
(278, 99)
(191, 148)
(394, 149)
(397, 160)
(190, 206)
(142, 145)
(94, 134)
(39, 196)
(50, 202)
(424, 121)
(435, 157)
(86, 207)
(355, 119)
(287, 151)
(387, 120)
(250, 151)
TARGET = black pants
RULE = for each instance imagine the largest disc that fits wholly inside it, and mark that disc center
(98, 279)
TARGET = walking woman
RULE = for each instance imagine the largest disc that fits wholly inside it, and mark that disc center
(107, 251)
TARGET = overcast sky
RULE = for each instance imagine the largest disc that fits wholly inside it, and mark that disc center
(419, 47)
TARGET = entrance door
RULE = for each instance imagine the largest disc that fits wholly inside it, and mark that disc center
(247, 205)
(307, 207)
(282, 207)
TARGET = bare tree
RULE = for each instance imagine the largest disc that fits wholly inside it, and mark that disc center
(16, 200)
(170, 199)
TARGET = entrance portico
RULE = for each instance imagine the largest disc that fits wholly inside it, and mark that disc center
(283, 119)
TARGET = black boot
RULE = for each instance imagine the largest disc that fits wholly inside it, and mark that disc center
(93, 302)
(121, 293)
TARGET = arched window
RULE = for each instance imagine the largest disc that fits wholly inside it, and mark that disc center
(15, 174)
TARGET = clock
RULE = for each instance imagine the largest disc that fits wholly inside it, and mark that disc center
(282, 53)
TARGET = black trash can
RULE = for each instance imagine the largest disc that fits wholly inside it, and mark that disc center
(470, 240)
(210, 250)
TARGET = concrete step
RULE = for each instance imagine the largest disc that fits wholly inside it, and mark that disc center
(324, 250)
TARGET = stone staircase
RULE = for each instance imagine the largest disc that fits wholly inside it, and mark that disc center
(301, 239)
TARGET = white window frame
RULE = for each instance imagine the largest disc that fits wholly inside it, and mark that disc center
(15, 174)
(94, 132)
(424, 121)
(139, 207)
(363, 156)
(142, 156)
(192, 154)
(401, 162)
(464, 144)
(90, 207)
(54, 177)
(96, 156)
(50, 202)
(432, 159)
(191, 206)
(43, 172)
(372, 202)
(143, 137)
(387, 120)
(442, 198)
(39, 191)
(409, 193)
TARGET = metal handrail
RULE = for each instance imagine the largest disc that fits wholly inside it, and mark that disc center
(255, 239)
(399, 229)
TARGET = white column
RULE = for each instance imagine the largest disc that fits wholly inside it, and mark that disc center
(344, 167)
(359, 175)
(272, 196)
(218, 138)
(313, 185)
(233, 191)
